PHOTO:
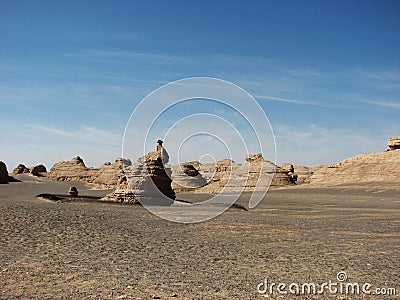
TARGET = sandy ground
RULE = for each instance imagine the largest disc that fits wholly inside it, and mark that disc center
(55, 250)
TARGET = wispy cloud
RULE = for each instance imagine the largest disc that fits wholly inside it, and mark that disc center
(333, 144)
(83, 134)
(263, 97)
(384, 80)
(305, 73)
(395, 105)
(121, 55)
(52, 130)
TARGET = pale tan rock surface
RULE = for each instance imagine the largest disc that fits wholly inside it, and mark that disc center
(104, 177)
(375, 167)
(109, 174)
(71, 170)
(3, 173)
(394, 143)
(256, 174)
(303, 173)
(148, 180)
(122, 193)
(186, 177)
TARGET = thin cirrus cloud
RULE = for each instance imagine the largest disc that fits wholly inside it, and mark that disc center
(263, 97)
(395, 105)
(305, 102)
(122, 55)
(333, 144)
(84, 133)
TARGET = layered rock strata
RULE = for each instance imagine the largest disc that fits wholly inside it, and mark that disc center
(256, 174)
(394, 143)
(186, 177)
(148, 180)
(375, 167)
(104, 177)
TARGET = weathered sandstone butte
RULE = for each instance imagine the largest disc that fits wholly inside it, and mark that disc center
(375, 167)
(103, 177)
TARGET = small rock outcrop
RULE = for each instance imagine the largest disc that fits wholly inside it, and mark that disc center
(3, 173)
(148, 180)
(21, 169)
(38, 170)
(122, 193)
(186, 177)
(394, 143)
(290, 170)
(299, 174)
(303, 173)
(73, 191)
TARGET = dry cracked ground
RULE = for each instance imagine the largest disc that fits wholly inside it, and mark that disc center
(83, 250)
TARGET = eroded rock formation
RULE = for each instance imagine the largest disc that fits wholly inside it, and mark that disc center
(21, 169)
(108, 175)
(71, 170)
(187, 178)
(38, 170)
(375, 167)
(3, 173)
(256, 174)
(303, 173)
(394, 143)
(299, 174)
(104, 177)
(148, 180)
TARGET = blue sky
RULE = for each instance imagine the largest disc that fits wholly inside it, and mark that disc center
(326, 73)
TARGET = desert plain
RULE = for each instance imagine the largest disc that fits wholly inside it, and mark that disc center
(301, 234)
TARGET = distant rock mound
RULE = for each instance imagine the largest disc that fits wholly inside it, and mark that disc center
(38, 170)
(375, 167)
(21, 169)
(299, 174)
(303, 173)
(108, 175)
(186, 177)
(71, 170)
(394, 143)
(104, 177)
(256, 174)
(3, 173)
(290, 170)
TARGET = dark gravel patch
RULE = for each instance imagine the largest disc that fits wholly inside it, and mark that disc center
(82, 250)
